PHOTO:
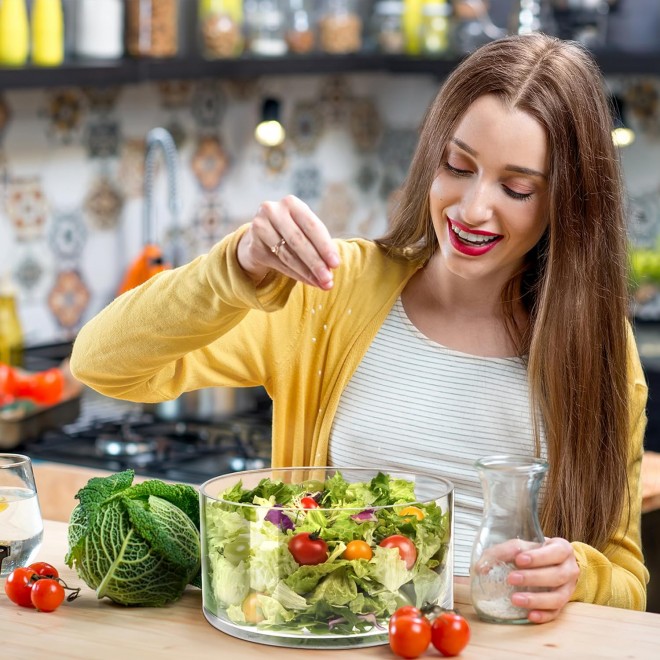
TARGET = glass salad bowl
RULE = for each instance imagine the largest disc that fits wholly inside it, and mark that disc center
(321, 557)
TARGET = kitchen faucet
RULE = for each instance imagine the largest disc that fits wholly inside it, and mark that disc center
(151, 260)
(161, 138)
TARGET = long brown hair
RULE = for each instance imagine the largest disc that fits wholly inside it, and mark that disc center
(573, 284)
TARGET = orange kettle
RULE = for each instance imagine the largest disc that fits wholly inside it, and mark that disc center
(149, 262)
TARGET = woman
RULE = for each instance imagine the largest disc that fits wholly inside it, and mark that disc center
(502, 281)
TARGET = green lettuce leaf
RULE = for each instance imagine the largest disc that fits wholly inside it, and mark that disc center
(387, 568)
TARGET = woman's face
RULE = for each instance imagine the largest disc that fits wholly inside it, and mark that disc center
(489, 198)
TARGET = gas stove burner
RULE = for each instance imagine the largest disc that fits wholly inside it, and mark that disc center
(117, 446)
(189, 451)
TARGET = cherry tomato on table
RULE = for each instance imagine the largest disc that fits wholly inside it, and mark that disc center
(450, 633)
(409, 633)
(407, 549)
(45, 569)
(18, 586)
(308, 549)
(47, 594)
(406, 610)
(358, 550)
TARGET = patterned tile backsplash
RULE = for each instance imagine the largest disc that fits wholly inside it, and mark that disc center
(71, 174)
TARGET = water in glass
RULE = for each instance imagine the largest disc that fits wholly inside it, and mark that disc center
(21, 526)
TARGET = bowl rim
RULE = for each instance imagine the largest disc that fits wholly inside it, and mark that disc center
(448, 486)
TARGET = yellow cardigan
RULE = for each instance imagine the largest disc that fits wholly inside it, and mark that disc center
(205, 325)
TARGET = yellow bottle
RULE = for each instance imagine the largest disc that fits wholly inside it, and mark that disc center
(11, 334)
(412, 21)
(14, 33)
(47, 33)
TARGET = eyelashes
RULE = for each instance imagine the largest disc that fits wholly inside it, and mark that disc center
(454, 171)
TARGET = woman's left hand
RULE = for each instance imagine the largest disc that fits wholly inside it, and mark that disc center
(553, 566)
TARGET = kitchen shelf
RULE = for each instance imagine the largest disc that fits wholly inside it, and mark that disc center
(126, 71)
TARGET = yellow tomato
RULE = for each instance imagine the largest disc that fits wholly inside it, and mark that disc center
(358, 550)
(412, 511)
(251, 608)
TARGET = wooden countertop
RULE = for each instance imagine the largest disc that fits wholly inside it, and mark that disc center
(90, 628)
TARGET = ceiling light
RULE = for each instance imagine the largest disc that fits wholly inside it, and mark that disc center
(269, 130)
(622, 134)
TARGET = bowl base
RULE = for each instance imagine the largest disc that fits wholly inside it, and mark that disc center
(288, 640)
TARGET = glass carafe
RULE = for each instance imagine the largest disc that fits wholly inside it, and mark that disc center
(510, 525)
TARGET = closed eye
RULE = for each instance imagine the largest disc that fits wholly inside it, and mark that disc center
(454, 170)
(516, 195)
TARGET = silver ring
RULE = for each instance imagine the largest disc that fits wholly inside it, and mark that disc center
(276, 248)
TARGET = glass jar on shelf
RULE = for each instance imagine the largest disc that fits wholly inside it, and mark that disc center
(434, 28)
(300, 33)
(388, 27)
(340, 27)
(152, 28)
(266, 28)
(221, 28)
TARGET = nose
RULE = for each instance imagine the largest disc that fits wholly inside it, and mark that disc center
(477, 204)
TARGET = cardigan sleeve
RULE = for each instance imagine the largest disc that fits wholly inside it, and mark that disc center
(201, 325)
(617, 576)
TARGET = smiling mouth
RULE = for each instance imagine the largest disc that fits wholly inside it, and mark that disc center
(473, 240)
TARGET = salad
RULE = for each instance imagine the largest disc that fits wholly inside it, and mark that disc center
(322, 557)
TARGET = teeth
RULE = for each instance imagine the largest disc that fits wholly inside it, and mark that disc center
(473, 238)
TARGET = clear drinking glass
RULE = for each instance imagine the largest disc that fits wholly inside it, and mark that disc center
(21, 527)
(510, 525)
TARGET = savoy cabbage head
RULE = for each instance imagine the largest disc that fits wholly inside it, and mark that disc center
(137, 545)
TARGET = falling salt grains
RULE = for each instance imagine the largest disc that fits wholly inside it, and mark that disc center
(349, 311)
(320, 372)
(313, 339)
(313, 311)
(325, 326)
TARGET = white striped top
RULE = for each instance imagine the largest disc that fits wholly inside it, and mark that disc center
(413, 404)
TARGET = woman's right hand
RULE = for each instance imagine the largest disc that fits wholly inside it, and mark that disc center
(287, 237)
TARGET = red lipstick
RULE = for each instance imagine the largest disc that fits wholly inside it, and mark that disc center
(470, 250)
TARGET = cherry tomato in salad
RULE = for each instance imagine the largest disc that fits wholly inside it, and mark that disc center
(409, 634)
(450, 633)
(47, 594)
(18, 586)
(251, 608)
(412, 512)
(407, 549)
(309, 502)
(308, 549)
(358, 550)
(44, 569)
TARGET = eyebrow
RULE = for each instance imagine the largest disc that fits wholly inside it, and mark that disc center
(511, 168)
